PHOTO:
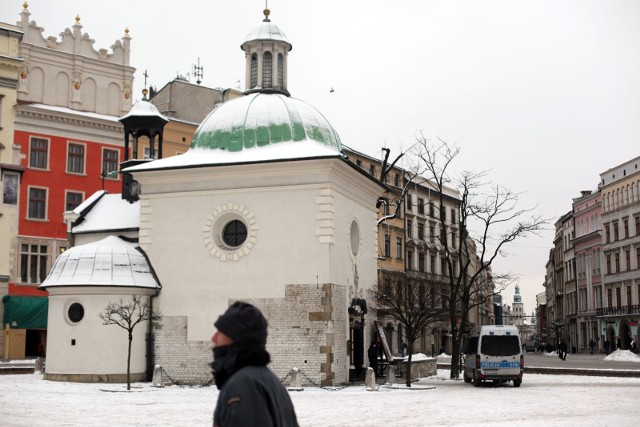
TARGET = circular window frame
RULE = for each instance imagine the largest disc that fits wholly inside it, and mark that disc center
(68, 316)
(215, 225)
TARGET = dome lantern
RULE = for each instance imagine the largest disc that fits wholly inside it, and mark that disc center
(266, 49)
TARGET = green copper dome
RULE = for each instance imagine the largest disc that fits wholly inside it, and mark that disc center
(264, 119)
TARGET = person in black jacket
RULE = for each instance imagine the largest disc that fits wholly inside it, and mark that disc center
(250, 393)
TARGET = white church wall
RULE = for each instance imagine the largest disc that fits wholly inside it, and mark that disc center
(87, 350)
(299, 235)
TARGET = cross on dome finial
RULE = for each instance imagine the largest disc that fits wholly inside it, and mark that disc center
(78, 18)
(25, 6)
(266, 11)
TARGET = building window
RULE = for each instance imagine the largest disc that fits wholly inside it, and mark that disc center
(443, 267)
(386, 205)
(254, 70)
(638, 262)
(399, 247)
(267, 69)
(608, 264)
(615, 231)
(627, 259)
(421, 262)
(387, 245)
(432, 263)
(72, 200)
(110, 163)
(453, 216)
(617, 261)
(626, 228)
(629, 295)
(409, 260)
(280, 71)
(234, 233)
(432, 210)
(10, 188)
(372, 170)
(607, 233)
(432, 234)
(421, 206)
(37, 203)
(609, 298)
(359, 163)
(443, 214)
(420, 231)
(409, 202)
(637, 218)
(34, 259)
(409, 228)
(396, 180)
(618, 297)
(75, 158)
(39, 153)
(75, 312)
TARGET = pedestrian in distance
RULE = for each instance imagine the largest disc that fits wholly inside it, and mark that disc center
(592, 345)
(562, 350)
(250, 393)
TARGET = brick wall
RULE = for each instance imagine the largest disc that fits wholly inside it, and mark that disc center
(307, 330)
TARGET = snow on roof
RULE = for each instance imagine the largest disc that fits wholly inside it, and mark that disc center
(110, 213)
(74, 112)
(206, 157)
(266, 30)
(108, 262)
(144, 108)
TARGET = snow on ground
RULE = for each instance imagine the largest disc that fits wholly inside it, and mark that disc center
(623, 356)
(549, 400)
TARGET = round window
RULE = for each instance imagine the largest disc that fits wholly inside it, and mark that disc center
(234, 233)
(76, 312)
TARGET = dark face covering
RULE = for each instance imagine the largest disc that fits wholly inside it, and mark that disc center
(228, 359)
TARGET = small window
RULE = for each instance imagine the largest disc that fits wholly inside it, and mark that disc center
(75, 312)
(72, 200)
(75, 158)
(37, 203)
(254, 70)
(109, 163)
(38, 153)
(234, 233)
(267, 69)
(421, 206)
(280, 71)
(34, 260)
(10, 189)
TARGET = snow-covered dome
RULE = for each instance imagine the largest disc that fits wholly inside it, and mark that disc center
(144, 108)
(267, 31)
(262, 119)
(108, 262)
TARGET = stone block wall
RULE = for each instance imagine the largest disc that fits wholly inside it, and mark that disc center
(183, 361)
(307, 330)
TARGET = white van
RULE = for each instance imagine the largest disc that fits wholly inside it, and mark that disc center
(494, 353)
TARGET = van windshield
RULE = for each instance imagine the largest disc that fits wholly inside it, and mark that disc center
(500, 345)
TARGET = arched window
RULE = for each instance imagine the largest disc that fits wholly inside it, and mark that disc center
(280, 71)
(267, 69)
(254, 71)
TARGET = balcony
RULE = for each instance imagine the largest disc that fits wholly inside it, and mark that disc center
(618, 311)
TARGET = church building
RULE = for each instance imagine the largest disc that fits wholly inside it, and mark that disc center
(263, 207)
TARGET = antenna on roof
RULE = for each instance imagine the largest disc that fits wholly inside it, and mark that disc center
(198, 72)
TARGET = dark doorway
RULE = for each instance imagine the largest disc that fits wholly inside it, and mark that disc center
(36, 343)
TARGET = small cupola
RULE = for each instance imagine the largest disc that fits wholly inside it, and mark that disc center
(143, 119)
(266, 49)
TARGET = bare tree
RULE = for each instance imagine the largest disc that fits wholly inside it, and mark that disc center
(128, 315)
(488, 221)
(413, 304)
(393, 208)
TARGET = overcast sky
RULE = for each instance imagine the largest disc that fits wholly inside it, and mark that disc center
(545, 95)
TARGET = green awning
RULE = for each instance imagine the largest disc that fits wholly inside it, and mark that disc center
(26, 312)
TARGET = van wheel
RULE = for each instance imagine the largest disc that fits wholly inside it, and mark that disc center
(476, 381)
(466, 378)
(516, 383)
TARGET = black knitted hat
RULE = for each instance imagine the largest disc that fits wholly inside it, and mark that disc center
(243, 320)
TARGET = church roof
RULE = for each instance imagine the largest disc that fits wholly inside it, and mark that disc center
(257, 127)
(111, 261)
(144, 108)
(103, 212)
(266, 30)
